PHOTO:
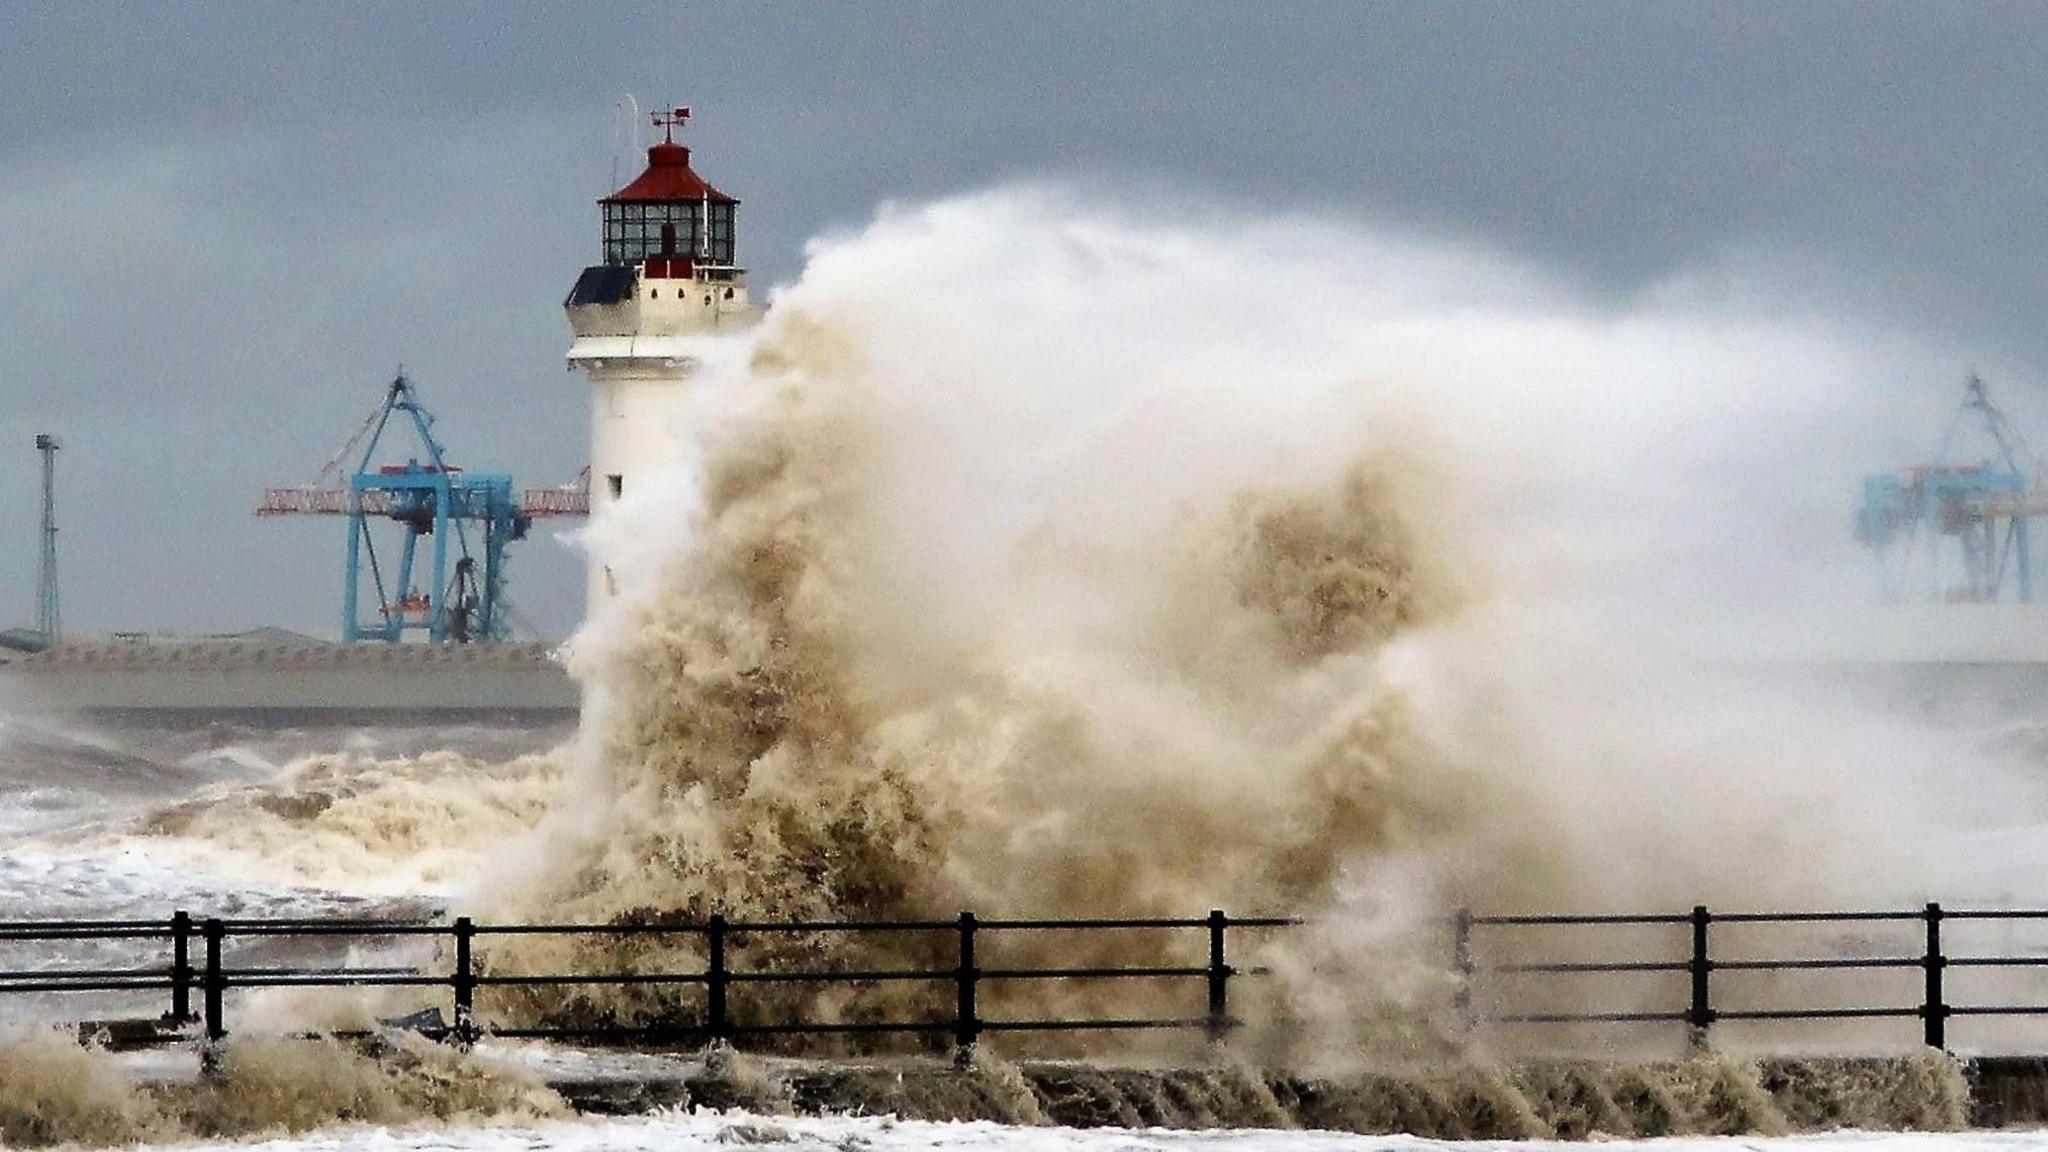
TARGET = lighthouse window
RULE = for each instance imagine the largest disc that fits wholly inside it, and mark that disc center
(721, 233)
(616, 483)
(633, 232)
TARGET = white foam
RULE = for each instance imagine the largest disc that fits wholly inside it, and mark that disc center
(721, 1132)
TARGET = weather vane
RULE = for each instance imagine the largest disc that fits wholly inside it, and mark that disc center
(668, 122)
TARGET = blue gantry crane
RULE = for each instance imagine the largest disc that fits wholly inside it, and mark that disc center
(427, 501)
(1951, 533)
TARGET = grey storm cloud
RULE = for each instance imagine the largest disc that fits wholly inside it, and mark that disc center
(222, 226)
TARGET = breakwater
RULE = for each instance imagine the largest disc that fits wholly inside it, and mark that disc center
(1704, 1095)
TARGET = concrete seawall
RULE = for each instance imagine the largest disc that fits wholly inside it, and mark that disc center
(295, 674)
(1569, 1100)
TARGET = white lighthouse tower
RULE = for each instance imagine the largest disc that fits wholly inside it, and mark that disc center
(668, 277)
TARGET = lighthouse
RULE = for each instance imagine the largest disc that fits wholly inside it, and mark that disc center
(668, 277)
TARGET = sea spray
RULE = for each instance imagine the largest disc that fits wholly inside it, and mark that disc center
(1033, 564)
(54, 1090)
(264, 1085)
(57, 1092)
(791, 786)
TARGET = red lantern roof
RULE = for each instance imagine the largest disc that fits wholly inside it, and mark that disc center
(668, 177)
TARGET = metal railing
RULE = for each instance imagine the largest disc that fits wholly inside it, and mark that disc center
(1702, 1010)
(212, 977)
(1501, 959)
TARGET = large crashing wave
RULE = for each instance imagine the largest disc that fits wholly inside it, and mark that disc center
(1038, 558)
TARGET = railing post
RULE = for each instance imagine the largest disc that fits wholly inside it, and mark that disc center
(1219, 978)
(966, 1021)
(181, 966)
(1934, 1012)
(216, 982)
(1461, 967)
(1700, 1016)
(716, 1021)
(464, 982)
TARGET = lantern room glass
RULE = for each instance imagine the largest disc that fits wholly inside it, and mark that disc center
(634, 231)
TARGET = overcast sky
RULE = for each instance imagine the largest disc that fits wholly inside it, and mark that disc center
(223, 226)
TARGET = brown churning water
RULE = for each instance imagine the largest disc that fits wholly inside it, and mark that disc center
(1044, 558)
(1031, 559)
